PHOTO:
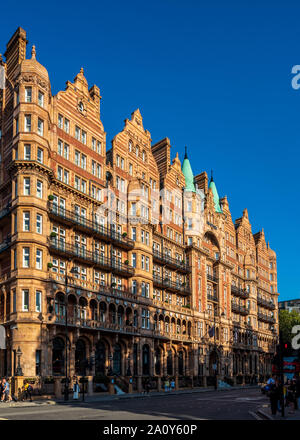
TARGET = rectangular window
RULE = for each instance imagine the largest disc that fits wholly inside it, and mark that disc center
(25, 300)
(83, 186)
(83, 161)
(40, 155)
(26, 221)
(27, 127)
(26, 186)
(60, 147)
(99, 171)
(38, 303)
(41, 99)
(77, 133)
(66, 177)
(133, 260)
(77, 183)
(39, 189)
(59, 173)
(60, 121)
(99, 147)
(38, 361)
(39, 223)
(26, 255)
(39, 259)
(40, 127)
(27, 152)
(77, 158)
(83, 137)
(66, 151)
(133, 234)
(14, 301)
(28, 94)
(93, 144)
(67, 125)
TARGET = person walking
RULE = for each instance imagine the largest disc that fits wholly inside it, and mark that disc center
(274, 396)
(167, 385)
(6, 394)
(172, 385)
(76, 390)
(148, 386)
(1, 390)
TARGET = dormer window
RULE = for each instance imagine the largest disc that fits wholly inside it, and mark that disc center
(80, 107)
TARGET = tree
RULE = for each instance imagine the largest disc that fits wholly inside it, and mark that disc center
(287, 320)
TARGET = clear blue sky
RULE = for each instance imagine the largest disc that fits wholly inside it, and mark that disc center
(212, 75)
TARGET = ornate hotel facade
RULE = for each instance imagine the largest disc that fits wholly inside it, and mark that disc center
(140, 258)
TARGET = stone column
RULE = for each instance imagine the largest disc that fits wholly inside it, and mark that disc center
(90, 390)
(57, 388)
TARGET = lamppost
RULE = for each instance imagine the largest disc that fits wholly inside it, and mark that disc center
(19, 371)
(66, 391)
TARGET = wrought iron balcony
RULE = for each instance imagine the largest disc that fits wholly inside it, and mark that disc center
(212, 297)
(5, 244)
(238, 291)
(168, 284)
(265, 318)
(5, 211)
(211, 277)
(237, 308)
(89, 226)
(81, 254)
(170, 262)
(95, 324)
(265, 303)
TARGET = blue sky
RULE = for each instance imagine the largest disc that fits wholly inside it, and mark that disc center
(212, 75)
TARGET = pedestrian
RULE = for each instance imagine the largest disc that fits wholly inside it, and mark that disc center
(274, 396)
(28, 391)
(291, 397)
(1, 390)
(172, 385)
(167, 385)
(76, 390)
(6, 394)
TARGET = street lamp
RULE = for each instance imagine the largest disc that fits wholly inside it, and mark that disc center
(19, 371)
(66, 391)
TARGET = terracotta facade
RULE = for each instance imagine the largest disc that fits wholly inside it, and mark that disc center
(152, 266)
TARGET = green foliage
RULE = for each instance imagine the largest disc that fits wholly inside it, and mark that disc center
(287, 320)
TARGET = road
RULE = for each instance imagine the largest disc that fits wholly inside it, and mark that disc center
(209, 405)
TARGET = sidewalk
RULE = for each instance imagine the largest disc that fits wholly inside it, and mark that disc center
(111, 397)
(265, 412)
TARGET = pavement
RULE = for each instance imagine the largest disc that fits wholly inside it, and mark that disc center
(111, 397)
(265, 413)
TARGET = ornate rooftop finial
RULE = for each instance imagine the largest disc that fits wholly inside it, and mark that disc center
(185, 155)
(81, 70)
(33, 53)
(211, 176)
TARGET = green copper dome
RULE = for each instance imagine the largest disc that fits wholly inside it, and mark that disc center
(188, 174)
(212, 185)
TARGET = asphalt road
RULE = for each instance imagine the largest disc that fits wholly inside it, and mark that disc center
(210, 405)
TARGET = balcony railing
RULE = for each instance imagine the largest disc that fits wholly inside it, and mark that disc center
(237, 308)
(168, 284)
(212, 277)
(91, 226)
(96, 324)
(5, 211)
(80, 253)
(5, 244)
(265, 303)
(170, 262)
(265, 318)
(212, 297)
(238, 291)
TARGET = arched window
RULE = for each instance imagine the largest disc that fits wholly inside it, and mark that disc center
(120, 316)
(80, 357)
(180, 363)
(170, 363)
(58, 350)
(157, 363)
(102, 311)
(146, 359)
(100, 358)
(135, 318)
(60, 304)
(130, 146)
(117, 358)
